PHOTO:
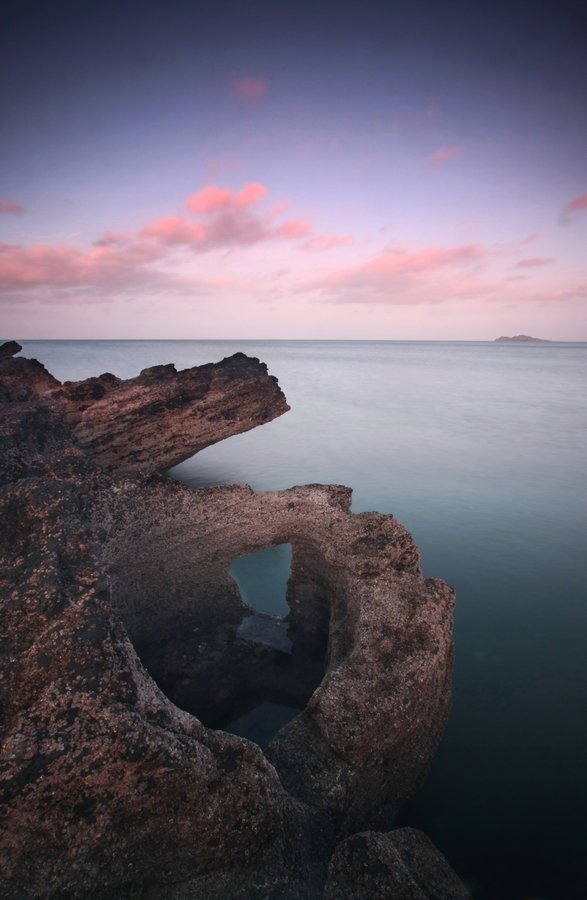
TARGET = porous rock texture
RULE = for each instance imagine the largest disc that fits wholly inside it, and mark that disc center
(403, 863)
(124, 652)
(161, 417)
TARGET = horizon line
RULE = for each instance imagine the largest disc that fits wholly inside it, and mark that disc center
(301, 340)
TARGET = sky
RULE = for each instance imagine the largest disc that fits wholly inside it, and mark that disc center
(324, 170)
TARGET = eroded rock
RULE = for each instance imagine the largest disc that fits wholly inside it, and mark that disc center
(401, 865)
(154, 421)
(111, 788)
(371, 637)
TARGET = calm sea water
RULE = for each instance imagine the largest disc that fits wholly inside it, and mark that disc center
(479, 449)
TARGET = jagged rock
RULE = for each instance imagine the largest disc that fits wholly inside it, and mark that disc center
(361, 612)
(121, 423)
(104, 781)
(9, 348)
(161, 417)
(31, 433)
(402, 865)
(111, 789)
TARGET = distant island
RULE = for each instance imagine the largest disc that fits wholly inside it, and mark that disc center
(521, 339)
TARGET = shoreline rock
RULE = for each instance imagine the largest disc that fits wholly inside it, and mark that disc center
(119, 609)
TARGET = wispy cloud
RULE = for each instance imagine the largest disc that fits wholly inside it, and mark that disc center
(445, 154)
(398, 276)
(64, 265)
(249, 88)
(9, 208)
(529, 239)
(215, 199)
(174, 230)
(574, 207)
(533, 261)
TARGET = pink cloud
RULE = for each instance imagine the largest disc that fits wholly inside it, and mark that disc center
(174, 230)
(576, 205)
(230, 228)
(277, 210)
(398, 276)
(399, 262)
(209, 200)
(226, 229)
(229, 220)
(294, 228)
(65, 266)
(565, 293)
(8, 208)
(533, 261)
(234, 228)
(435, 275)
(329, 241)
(445, 154)
(215, 199)
(249, 89)
(226, 219)
(250, 194)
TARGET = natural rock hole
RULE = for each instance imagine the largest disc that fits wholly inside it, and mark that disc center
(138, 788)
(262, 579)
(238, 647)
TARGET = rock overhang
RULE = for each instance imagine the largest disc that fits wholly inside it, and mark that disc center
(372, 632)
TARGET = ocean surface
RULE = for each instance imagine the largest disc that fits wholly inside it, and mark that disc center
(480, 450)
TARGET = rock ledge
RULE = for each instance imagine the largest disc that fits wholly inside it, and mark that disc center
(121, 646)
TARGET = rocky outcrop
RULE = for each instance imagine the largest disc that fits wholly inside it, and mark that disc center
(9, 349)
(371, 637)
(126, 647)
(105, 784)
(151, 422)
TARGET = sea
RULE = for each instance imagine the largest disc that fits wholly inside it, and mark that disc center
(480, 450)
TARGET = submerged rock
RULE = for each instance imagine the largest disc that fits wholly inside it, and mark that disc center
(125, 649)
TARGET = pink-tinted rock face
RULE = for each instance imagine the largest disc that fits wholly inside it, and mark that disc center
(152, 422)
(122, 637)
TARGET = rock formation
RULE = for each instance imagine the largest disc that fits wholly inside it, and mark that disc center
(401, 864)
(124, 653)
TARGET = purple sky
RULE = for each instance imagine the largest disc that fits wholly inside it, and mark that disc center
(293, 170)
